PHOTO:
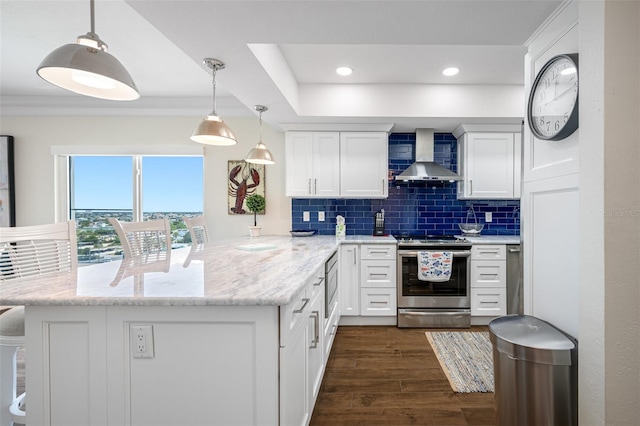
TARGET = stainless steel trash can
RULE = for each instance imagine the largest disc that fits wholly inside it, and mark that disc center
(536, 372)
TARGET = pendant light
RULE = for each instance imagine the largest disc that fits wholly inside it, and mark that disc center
(260, 154)
(87, 69)
(212, 130)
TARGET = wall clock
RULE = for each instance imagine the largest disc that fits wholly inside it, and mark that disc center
(553, 102)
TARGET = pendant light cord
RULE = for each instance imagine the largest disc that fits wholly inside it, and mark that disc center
(214, 92)
(93, 16)
(260, 126)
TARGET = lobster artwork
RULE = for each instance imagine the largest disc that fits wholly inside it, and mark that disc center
(243, 181)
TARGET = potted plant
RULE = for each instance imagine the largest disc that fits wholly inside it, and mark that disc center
(255, 204)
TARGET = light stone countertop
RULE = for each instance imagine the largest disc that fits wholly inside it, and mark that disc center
(492, 239)
(268, 270)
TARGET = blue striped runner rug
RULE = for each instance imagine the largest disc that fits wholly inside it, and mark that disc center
(466, 357)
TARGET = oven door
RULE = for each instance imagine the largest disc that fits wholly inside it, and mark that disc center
(415, 293)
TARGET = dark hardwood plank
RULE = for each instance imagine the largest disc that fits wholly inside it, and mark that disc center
(390, 376)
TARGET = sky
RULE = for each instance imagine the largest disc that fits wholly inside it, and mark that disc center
(169, 184)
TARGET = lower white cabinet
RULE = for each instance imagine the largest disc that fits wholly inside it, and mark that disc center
(488, 280)
(294, 378)
(349, 279)
(214, 365)
(375, 301)
(315, 348)
(302, 352)
(368, 280)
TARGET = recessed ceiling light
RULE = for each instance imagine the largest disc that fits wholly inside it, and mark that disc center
(450, 71)
(344, 71)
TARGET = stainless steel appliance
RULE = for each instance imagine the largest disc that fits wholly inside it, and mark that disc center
(433, 304)
(331, 284)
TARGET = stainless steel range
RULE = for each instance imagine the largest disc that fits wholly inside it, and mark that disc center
(433, 304)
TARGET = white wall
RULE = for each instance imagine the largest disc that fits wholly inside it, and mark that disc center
(550, 200)
(35, 188)
(581, 208)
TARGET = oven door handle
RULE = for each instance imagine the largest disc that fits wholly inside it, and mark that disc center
(457, 253)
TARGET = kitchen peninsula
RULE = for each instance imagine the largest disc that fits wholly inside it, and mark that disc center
(214, 335)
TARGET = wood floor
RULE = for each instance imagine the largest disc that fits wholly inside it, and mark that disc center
(386, 376)
(390, 376)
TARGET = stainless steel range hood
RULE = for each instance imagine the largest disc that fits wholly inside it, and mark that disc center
(424, 167)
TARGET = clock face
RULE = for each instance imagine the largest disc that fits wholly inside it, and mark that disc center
(553, 103)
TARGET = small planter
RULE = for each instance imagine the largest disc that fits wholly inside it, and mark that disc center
(254, 231)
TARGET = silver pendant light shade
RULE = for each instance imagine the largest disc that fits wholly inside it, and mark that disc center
(212, 130)
(260, 154)
(87, 69)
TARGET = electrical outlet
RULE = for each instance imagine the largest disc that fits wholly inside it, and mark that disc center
(488, 217)
(320, 216)
(306, 217)
(142, 341)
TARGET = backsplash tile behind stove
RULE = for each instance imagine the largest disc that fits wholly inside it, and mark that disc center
(412, 207)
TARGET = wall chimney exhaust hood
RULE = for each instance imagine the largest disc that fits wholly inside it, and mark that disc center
(424, 168)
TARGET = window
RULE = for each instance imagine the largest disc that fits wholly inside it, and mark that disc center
(130, 188)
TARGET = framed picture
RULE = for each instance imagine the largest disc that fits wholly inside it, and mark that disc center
(243, 179)
(7, 184)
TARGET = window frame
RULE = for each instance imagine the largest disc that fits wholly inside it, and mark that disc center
(63, 178)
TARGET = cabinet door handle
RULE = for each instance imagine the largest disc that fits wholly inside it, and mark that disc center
(334, 329)
(315, 186)
(309, 187)
(470, 186)
(355, 261)
(299, 311)
(382, 186)
(316, 329)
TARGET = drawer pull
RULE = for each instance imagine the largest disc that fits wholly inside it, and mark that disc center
(316, 329)
(373, 274)
(374, 302)
(334, 329)
(488, 303)
(304, 305)
(319, 282)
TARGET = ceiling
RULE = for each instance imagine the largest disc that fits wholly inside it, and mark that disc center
(281, 54)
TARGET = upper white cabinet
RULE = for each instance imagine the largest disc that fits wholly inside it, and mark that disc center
(363, 165)
(490, 164)
(312, 164)
(336, 165)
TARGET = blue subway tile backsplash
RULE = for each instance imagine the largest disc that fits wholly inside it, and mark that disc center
(422, 208)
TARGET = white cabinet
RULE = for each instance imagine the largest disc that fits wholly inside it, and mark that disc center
(302, 352)
(490, 164)
(312, 164)
(363, 165)
(315, 347)
(349, 279)
(336, 165)
(368, 280)
(488, 280)
(294, 378)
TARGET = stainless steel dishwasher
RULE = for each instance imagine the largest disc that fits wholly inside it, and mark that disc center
(515, 302)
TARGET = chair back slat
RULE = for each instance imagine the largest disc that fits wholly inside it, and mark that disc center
(35, 250)
(141, 238)
(197, 228)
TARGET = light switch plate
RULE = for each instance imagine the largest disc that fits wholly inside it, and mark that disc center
(488, 217)
(320, 216)
(305, 217)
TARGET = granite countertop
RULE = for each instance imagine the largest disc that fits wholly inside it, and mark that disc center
(269, 270)
(492, 239)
